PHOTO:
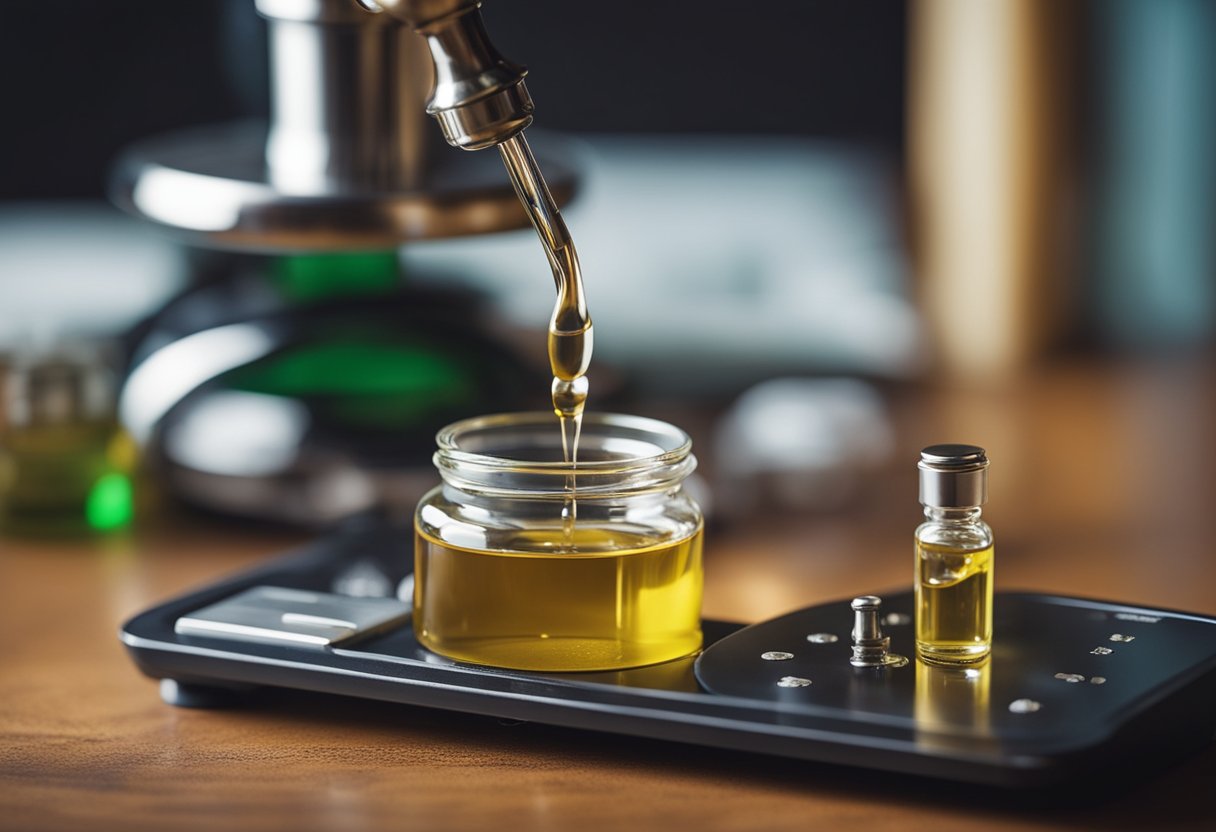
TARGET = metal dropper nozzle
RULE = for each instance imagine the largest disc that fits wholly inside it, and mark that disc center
(480, 101)
(479, 97)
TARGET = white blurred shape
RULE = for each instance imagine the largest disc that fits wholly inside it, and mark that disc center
(238, 434)
(170, 373)
(801, 444)
(727, 257)
(75, 269)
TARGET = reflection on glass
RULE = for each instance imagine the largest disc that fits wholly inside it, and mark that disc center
(951, 704)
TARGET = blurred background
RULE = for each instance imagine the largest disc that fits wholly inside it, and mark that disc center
(801, 233)
(243, 281)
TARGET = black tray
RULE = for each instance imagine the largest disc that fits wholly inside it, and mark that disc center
(1058, 701)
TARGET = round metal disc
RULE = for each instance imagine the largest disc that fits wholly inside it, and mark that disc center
(211, 185)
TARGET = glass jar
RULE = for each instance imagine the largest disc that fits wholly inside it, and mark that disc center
(510, 572)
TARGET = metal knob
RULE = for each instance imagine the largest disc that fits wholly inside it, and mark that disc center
(479, 99)
(870, 646)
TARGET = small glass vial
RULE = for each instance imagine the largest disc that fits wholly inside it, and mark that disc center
(66, 466)
(510, 571)
(954, 559)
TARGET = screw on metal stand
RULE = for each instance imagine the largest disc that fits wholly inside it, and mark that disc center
(870, 646)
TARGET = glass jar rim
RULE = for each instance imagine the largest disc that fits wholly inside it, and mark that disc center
(623, 454)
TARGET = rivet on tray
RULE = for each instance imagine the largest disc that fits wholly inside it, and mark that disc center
(776, 656)
(823, 638)
(1024, 706)
(793, 682)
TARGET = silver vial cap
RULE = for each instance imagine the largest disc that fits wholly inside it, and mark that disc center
(953, 476)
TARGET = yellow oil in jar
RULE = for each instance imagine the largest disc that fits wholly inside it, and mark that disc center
(568, 596)
(953, 603)
(614, 599)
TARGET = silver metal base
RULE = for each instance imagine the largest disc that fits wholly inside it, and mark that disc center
(211, 185)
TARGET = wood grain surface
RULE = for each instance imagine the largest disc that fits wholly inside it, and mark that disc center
(1103, 485)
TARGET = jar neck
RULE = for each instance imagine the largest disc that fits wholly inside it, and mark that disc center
(556, 483)
(519, 456)
(953, 515)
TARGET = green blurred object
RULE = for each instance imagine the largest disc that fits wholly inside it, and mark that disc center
(338, 374)
(365, 382)
(355, 368)
(111, 502)
(311, 277)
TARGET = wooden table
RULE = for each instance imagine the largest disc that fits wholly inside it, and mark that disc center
(1104, 480)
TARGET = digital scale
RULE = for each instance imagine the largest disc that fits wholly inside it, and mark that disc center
(1074, 688)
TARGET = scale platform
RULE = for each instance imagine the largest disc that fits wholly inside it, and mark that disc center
(1074, 688)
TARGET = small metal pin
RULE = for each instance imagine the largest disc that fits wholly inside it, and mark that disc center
(865, 618)
(870, 646)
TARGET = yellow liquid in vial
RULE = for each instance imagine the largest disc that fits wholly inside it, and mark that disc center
(953, 603)
(613, 600)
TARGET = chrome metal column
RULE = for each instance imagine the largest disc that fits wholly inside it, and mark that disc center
(348, 94)
(343, 165)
